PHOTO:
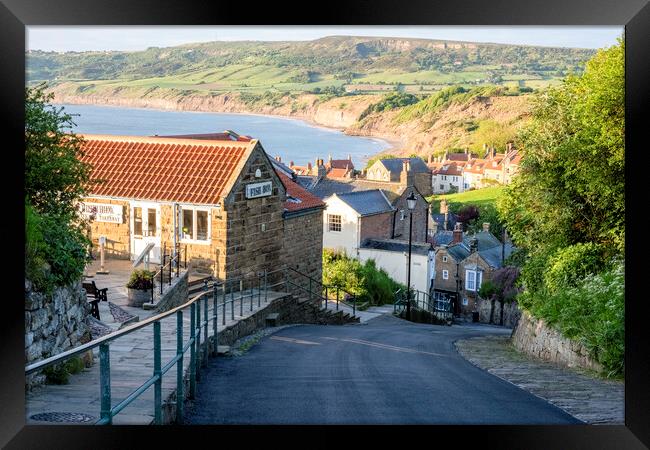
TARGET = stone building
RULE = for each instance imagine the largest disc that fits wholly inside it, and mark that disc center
(217, 195)
(401, 217)
(404, 171)
(463, 263)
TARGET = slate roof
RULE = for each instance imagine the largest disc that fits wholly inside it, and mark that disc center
(366, 203)
(395, 245)
(396, 165)
(485, 240)
(440, 220)
(340, 164)
(326, 187)
(197, 171)
(442, 238)
(493, 255)
(489, 248)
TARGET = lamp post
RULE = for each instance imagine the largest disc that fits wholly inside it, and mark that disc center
(410, 202)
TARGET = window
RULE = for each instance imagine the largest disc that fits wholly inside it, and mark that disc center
(444, 259)
(445, 274)
(465, 302)
(473, 280)
(151, 222)
(442, 186)
(334, 222)
(137, 221)
(195, 224)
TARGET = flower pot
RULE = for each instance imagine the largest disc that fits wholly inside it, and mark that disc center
(136, 297)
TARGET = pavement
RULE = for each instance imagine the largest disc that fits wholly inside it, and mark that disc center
(382, 371)
(590, 398)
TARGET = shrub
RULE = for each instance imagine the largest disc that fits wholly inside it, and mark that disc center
(141, 279)
(488, 290)
(572, 263)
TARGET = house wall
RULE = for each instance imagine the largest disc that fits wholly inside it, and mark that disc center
(249, 249)
(377, 226)
(396, 265)
(447, 181)
(118, 244)
(450, 265)
(472, 296)
(347, 239)
(377, 172)
(420, 218)
(303, 243)
(422, 181)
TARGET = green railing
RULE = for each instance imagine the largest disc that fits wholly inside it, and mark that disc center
(246, 288)
(321, 291)
(423, 301)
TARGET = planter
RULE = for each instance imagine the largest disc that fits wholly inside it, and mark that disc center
(136, 297)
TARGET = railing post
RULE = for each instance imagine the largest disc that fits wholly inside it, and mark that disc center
(161, 279)
(105, 382)
(241, 298)
(198, 339)
(178, 264)
(170, 271)
(354, 306)
(215, 300)
(310, 289)
(325, 297)
(193, 350)
(337, 298)
(157, 387)
(286, 279)
(179, 367)
(251, 289)
(259, 291)
(232, 303)
(266, 292)
(185, 265)
(223, 316)
(205, 331)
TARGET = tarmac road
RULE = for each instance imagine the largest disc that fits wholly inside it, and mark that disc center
(385, 371)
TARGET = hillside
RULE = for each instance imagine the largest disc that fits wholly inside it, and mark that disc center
(330, 81)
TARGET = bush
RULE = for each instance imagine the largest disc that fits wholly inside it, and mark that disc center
(141, 279)
(366, 281)
(570, 264)
(488, 290)
(60, 373)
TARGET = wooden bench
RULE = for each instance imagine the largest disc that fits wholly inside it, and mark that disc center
(94, 295)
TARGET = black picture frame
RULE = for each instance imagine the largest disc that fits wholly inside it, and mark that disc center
(633, 14)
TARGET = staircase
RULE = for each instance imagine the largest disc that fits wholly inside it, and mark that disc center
(324, 316)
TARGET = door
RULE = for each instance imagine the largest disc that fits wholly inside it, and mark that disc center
(145, 228)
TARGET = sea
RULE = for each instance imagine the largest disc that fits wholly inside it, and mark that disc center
(291, 139)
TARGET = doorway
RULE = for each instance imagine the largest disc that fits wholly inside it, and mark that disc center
(145, 228)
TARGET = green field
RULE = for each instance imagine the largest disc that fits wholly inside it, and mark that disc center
(478, 197)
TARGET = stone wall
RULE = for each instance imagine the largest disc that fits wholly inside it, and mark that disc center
(420, 218)
(175, 296)
(536, 338)
(303, 245)
(255, 226)
(511, 313)
(54, 323)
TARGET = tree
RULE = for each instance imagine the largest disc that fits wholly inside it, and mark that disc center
(55, 181)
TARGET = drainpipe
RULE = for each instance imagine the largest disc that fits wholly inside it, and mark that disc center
(174, 225)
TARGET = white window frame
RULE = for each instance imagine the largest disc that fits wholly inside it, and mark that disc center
(340, 224)
(445, 274)
(194, 209)
(444, 259)
(476, 278)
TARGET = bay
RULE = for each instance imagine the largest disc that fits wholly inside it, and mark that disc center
(291, 139)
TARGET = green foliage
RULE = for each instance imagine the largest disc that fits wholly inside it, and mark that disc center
(495, 134)
(566, 208)
(391, 101)
(366, 281)
(55, 180)
(140, 279)
(487, 289)
(60, 373)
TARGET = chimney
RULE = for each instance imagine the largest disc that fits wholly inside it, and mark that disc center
(446, 155)
(446, 224)
(349, 157)
(278, 159)
(430, 159)
(321, 172)
(509, 146)
(465, 150)
(290, 163)
(458, 234)
(405, 176)
(329, 159)
(434, 227)
(443, 206)
(486, 227)
(309, 167)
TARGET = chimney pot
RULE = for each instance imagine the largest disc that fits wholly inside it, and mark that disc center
(458, 233)
(290, 163)
(349, 157)
(308, 166)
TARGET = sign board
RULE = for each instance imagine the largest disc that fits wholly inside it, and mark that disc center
(102, 212)
(263, 189)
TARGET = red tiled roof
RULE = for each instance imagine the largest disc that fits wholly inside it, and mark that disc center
(337, 173)
(164, 169)
(225, 136)
(448, 169)
(307, 199)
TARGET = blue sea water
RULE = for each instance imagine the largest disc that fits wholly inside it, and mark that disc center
(293, 140)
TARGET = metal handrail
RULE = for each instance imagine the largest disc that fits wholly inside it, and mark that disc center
(197, 327)
(425, 303)
(327, 287)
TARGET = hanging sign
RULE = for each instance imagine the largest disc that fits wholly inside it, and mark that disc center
(263, 189)
(102, 212)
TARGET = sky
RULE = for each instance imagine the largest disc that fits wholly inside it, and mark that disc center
(132, 38)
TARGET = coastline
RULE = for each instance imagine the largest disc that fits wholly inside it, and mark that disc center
(392, 143)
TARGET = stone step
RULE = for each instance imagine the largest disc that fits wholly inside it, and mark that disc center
(223, 350)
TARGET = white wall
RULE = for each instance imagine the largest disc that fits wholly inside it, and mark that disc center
(447, 181)
(348, 238)
(395, 264)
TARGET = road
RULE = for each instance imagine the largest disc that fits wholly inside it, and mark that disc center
(384, 371)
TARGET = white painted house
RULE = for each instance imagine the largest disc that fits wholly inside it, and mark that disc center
(392, 256)
(352, 217)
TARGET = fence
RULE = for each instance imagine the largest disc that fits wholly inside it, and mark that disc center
(169, 262)
(440, 309)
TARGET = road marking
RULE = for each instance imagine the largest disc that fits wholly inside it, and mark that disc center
(384, 346)
(295, 341)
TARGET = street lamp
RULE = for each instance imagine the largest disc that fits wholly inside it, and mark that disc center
(410, 202)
